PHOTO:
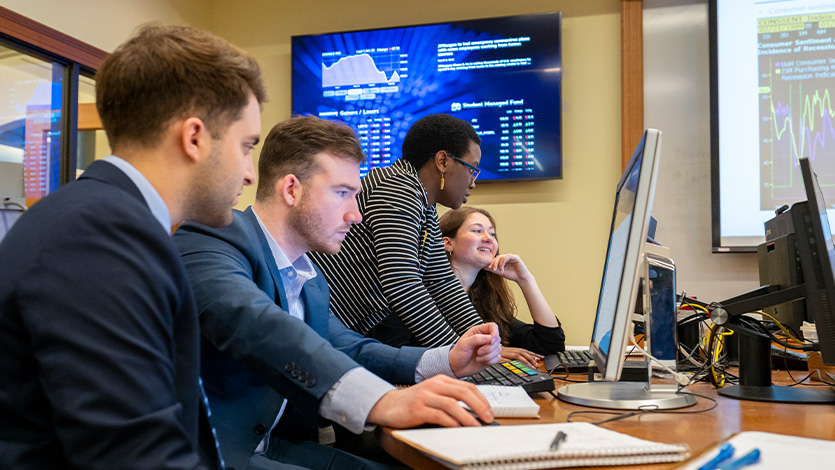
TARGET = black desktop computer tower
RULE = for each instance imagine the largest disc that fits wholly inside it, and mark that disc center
(780, 266)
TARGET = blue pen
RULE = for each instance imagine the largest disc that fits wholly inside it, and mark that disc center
(725, 452)
(747, 459)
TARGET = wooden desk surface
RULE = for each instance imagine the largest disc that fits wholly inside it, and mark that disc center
(700, 431)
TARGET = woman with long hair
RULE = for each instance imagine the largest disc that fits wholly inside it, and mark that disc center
(469, 236)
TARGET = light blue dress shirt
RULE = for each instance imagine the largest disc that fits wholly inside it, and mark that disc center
(152, 197)
(351, 398)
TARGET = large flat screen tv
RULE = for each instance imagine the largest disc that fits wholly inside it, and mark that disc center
(772, 83)
(502, 75)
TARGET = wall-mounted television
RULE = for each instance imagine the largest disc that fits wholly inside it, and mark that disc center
(502, 75)
(772, 82)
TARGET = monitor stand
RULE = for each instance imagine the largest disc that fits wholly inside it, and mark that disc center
(625, 395)
(629, 395)
(755, 375)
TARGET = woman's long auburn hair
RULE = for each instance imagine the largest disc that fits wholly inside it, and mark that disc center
(490, 293)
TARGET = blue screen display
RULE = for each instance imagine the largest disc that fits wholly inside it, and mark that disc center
(502, 75)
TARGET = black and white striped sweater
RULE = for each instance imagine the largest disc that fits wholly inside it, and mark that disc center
(394, 262)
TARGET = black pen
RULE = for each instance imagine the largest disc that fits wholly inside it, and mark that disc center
(558, 439)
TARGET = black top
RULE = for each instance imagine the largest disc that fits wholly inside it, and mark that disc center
(536, 338)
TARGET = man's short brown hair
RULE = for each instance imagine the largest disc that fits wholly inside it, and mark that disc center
(166, 73)
(291, 145)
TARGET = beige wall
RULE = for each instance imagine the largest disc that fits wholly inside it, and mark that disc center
(558, 227)
(107, 23)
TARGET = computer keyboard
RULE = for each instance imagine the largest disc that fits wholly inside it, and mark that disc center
(514, 373)
(783, 359)
(568, 361)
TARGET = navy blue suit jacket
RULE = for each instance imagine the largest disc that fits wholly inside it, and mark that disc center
(254, 353)
(98, 334)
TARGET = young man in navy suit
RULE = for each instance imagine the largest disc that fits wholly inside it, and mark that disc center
(99, 338)
(275, 358)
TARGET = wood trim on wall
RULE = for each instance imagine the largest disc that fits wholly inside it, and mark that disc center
(30, 32)
(631, 76)
(88, 117)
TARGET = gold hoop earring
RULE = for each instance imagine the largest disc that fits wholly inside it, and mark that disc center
(442, 181)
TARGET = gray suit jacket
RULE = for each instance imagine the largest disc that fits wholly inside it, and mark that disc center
(254, 354)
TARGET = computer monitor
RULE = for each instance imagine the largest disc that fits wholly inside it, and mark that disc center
(819, 265)
(625, 266)
(502, 75)
(803, 232)
(622, 271)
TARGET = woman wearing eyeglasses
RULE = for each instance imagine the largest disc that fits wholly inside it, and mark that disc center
(391, 279)
(469, 237)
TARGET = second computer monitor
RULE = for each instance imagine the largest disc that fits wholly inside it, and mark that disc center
(818, 264)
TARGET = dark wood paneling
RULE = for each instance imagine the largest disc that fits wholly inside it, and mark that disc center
(43, 37)
(631, 76)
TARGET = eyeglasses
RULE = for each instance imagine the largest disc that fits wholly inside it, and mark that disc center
(474, 171)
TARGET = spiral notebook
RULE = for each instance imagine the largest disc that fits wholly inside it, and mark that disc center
(528, 446)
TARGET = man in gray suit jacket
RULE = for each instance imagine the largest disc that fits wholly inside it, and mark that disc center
(274, 358)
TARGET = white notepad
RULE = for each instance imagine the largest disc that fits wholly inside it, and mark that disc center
(528, 446)
(777, 451)
(508, 402)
